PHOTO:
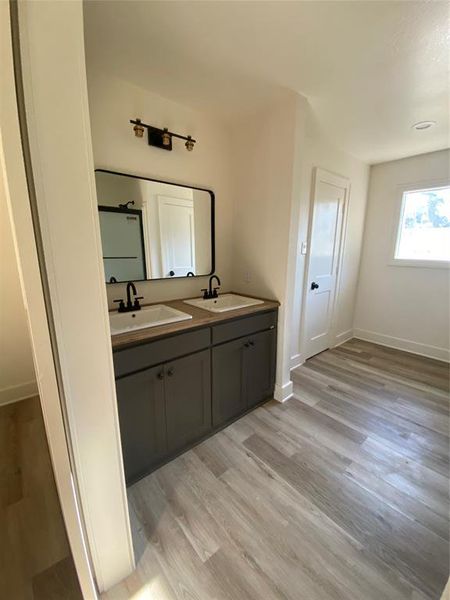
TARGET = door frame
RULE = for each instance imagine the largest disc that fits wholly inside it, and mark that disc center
(89, 470)
(18, 186)
(320, 174)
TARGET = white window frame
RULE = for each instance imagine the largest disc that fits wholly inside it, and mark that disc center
(398, 218)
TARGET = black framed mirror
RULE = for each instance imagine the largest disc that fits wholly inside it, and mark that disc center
(153, 229)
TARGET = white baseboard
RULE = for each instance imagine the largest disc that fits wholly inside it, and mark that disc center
(296, 361)
(283, 392)
(403, 344)
(15, 393)
(343, 337)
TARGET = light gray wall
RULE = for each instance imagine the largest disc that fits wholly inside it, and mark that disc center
(315, 149)
(406, 307)
(112, 103)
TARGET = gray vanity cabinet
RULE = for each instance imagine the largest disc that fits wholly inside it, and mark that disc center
(188, 399)
(176, 390)
(162, 410)
(140, 399)
(243, 375)
(259, 367)
(228, 381)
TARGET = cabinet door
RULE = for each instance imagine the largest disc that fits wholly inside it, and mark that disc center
(140, 399)
(228, 381)
(259, 367)
(188, 399)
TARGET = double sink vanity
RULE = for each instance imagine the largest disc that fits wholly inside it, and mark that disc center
(162, 314)
(185, 369)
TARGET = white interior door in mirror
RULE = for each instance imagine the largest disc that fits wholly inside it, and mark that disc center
(166, 252)
(326, 233)
(177, 235)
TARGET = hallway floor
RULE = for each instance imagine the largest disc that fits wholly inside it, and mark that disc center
(35, 558)
(340, 494)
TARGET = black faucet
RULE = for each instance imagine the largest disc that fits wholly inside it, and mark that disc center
(130, 305)
(211, 293)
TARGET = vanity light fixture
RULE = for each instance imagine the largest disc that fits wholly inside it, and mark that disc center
(161, 138)
(423, 125)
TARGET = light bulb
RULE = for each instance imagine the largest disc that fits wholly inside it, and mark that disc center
(138, 129)
(165, 137)
(189, 144)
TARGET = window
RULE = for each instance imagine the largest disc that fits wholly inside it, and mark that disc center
(424, 228)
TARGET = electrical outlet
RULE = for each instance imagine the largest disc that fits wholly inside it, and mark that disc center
(247, 277)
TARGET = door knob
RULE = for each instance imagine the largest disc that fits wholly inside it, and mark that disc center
(161, 375)
(170, 372)
(314, 286)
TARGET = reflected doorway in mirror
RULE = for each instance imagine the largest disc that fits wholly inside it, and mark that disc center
(168, 232)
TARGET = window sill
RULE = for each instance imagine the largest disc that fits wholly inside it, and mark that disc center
(427, 264)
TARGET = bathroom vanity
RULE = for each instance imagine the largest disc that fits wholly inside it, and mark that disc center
(185, 368)
(180, 382)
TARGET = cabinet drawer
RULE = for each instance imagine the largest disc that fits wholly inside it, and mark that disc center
(244, 326)
(146, 355)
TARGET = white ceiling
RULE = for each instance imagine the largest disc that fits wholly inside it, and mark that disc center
(370, 69)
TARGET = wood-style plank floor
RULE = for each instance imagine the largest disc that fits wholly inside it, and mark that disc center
(35, 558)
(339, 494)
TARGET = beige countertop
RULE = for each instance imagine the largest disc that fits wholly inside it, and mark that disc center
(200, 318)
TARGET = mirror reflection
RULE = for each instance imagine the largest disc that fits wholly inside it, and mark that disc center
(153, 230)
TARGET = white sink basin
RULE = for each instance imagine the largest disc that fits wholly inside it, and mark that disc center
(224, 302)
(148, 316)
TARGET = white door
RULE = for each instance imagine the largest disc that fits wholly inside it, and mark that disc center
(328, 208)
(176, 221)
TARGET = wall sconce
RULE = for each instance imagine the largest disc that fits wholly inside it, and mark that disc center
(161, 138)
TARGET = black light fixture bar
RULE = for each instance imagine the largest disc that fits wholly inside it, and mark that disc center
(156, 135)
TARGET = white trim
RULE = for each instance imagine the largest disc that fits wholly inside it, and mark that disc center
(283, 392)
(343, 337)
(18, 202)
(14, 393)
(67, 208)
(296, 361)
(145, 228)
(435, 352)
(401, 190)
(421, 264)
